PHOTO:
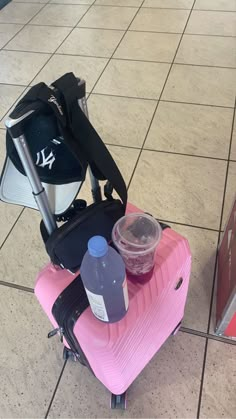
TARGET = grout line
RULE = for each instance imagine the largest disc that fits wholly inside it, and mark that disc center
(188, 225)
(185, 34)
(197, 104)
(182, 8)
(161, 100)
(202, 380)
(163, 88)
(207, 335)
(16, 286)
(28, 51)
(131, 7)
(55, 390)
(170, 152)
(52, 25)
(13, 84)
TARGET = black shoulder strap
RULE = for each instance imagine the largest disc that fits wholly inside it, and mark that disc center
(86, 139)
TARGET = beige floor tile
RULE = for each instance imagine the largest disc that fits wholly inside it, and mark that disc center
(125, 159)
(148, 46)
(218, 396)
(212, 23)
(60, 15)
(108, 17)
(20, 67)
(131, 3)
(8, 95)
(7, 31)
(202, 85)
(207, 50)
(19, 12)
(178, 188)
(30, 363)
(8, 216)
(215, 5)
(13, 104)
(91, 42)
(230, 192)
(133, 78)
(8, 213)
(233, 147)
(175, 370)
(203, 245)
(160, 20)
(121, 121)
(169, 4)
(25, 249)
(88, 68)
(30, 38)
(191, 129)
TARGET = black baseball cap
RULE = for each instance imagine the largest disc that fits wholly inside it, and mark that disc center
(60, 172)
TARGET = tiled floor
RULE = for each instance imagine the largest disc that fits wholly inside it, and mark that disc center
(161, 77)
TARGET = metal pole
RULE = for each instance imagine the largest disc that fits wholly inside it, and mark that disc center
(37, 188)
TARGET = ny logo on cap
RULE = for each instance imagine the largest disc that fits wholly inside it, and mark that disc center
(45, 160)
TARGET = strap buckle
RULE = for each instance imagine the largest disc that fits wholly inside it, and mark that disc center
(108, 189)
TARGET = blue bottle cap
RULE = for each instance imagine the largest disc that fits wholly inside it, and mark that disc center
(97, 246)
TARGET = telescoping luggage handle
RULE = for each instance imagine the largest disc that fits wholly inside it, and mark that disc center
(14, 126)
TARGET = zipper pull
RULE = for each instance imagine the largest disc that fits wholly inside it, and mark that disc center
(58, 330)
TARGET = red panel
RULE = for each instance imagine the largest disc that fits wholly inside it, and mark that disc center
(231, 329)
(227, 266)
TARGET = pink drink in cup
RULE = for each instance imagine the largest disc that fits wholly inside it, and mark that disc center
(136, 236)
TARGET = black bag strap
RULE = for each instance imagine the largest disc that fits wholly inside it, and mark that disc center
(85, 137)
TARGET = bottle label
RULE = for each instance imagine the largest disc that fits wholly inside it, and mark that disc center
(97, 305)
(126, 295)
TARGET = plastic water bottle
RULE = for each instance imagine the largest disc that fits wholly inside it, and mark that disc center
(104, 278)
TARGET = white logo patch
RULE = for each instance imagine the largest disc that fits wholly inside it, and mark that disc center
(45, 160)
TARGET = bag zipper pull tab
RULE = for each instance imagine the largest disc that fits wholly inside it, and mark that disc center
(58, 330)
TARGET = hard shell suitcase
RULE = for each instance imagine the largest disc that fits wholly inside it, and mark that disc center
(115, 353)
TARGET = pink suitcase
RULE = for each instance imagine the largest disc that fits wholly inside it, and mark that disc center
(117, 353)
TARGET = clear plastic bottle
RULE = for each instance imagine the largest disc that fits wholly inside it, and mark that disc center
(104, 278)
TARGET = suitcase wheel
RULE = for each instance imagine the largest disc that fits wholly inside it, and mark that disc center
(68, 354)
(118, 401)
(175, 331)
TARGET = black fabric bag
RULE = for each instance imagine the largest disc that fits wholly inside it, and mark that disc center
(67, 245)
